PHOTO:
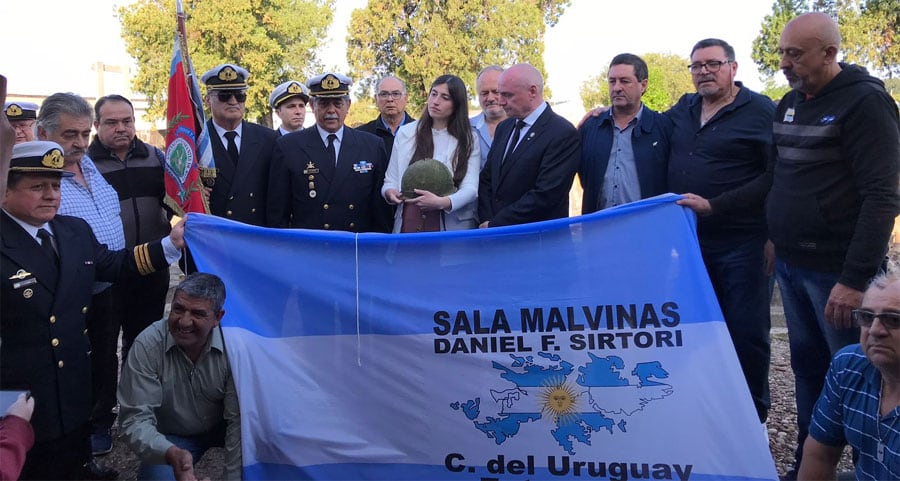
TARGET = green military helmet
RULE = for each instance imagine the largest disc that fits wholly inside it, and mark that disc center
(427, 174)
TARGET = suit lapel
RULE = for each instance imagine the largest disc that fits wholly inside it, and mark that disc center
(222, 160)
(345, 159)
(70, 263)
(24, 250)
(525, 142)
(504, 131)
(315, 148)
(249, 149)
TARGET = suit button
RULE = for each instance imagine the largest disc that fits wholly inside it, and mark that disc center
(325, 206)
(350, 207)
(327, 226)
(52, 319)
(228, 213)
(231, 198)
(84, 310)
(60, 364)
(352, 225)
(252, 211)
(251, 195)
(85, 332)
(54, 342)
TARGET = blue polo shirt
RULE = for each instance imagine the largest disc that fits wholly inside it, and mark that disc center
(847, 413)
(724, 161)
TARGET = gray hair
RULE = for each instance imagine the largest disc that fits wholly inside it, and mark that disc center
(62, 103)
(386, 77)
(489, 68)
(204, 286)
(883, 279)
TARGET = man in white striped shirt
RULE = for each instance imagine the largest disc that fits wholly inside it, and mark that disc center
(860, 403)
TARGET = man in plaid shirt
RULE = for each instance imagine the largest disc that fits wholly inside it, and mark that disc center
(66, 119)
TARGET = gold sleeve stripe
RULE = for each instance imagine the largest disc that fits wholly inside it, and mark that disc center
(142, 259)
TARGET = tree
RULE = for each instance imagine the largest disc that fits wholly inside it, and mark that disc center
(870, 31)
(765, 46)
(420, 40)
(668, 80)
(276, 40)
(871, 34)
(774, 90)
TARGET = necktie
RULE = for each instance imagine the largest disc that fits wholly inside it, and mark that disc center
(515, 138)
(232, 146)
(47, 245)
(330, 148)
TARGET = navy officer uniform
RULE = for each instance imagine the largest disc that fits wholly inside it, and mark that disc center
(240, 181)
(21, 116)
(313, 186)
(290, 90)
(47, 285)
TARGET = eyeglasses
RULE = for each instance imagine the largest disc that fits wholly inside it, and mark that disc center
(390, 95)
(24, 125)
(226, 96)
(865, 318)
(712, 66)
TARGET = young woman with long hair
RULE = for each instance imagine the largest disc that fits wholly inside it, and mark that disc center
(442, 133)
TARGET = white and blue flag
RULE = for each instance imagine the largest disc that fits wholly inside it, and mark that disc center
(582, 348)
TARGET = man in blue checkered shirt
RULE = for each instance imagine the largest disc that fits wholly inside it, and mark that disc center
(860, 403)
(66, 119)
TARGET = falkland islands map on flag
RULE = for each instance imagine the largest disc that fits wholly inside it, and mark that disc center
(582, 348)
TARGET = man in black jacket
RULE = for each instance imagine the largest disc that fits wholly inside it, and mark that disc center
(833, 199)
(136, 171)
(390, 98)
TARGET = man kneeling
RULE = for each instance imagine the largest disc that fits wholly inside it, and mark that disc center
(860, 403)
(176, 395)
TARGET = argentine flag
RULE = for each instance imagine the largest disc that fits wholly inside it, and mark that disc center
(581, 348)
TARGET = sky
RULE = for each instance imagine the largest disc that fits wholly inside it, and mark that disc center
(587, 36)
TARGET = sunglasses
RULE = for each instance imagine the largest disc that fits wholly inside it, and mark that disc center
(226, 96)
(865, 318)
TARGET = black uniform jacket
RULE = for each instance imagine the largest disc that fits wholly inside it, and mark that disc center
(307, 190)
(45, 346)
(240, 190)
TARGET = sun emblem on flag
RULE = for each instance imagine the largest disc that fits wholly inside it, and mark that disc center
(558, 399)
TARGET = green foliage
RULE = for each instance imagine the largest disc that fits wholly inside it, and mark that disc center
(765, 46)
(871, 34)
(668, 80)
(870, 31)
(363, 110)
(775, 91)
(420, 40)
(276, 40)
(893, 87)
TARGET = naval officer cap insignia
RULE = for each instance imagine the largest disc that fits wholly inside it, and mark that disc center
(38, 157)
(20, 110)
(329, 85)
(287, 90)
(227, 76)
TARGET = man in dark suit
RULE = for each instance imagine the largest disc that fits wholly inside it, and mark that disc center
(638, 166)
(48, 264)
(533, 159)
(329, 177)
(242, 150)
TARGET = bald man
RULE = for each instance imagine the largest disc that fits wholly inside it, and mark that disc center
(533, 158)
(833, 200)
